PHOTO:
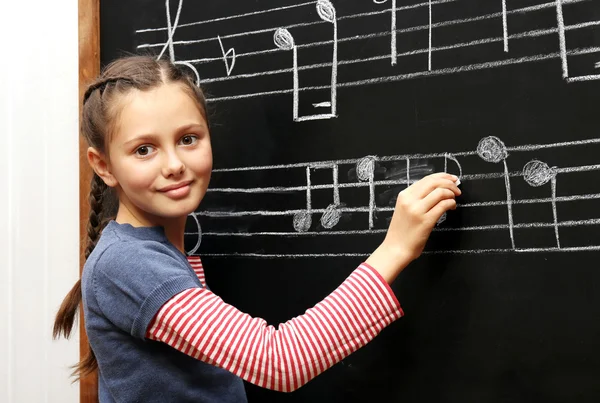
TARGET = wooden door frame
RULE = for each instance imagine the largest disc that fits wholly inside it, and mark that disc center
(89, 68)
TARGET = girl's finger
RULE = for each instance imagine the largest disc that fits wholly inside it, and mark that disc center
(436, 212)
(428, 184)
(436, 196)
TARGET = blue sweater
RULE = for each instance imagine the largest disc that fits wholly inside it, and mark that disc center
(130, 274)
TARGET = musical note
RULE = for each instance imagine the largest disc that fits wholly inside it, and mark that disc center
(537, 173)
(284, 40)
(492, 149)
(365, 172)
(230, 54)
(303, 219)
(332, 214)
(393, 33)
(452, 158)
(449, 156)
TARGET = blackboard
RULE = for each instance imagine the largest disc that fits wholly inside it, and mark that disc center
(322, 111)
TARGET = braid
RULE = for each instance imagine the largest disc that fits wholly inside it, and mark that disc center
(101, 85)
(96, 220)
(67, 313)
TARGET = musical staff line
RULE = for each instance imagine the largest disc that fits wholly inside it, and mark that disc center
(231, 17)
(478, 42)
(328, 14)
(324, 164)
(441, 24)
(426, 252)
(526, 34)
(310, 3)
(398, 182)
(432, 73)
(490, 149)
(497, 203)
(491, 227)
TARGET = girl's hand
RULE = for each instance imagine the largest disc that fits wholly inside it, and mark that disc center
(418, 209)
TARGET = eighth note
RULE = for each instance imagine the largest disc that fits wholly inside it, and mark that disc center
(229, 54)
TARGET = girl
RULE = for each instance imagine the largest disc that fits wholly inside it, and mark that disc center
(156, 331)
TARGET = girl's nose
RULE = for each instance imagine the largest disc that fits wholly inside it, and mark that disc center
(174, 166)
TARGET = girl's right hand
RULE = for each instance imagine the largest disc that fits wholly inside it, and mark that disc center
(418, 209)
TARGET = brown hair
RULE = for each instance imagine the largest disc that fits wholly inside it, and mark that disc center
(100, 114)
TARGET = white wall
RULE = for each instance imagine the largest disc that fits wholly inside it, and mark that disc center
(38, 196)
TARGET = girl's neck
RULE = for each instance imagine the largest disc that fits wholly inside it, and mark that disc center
(174, 227)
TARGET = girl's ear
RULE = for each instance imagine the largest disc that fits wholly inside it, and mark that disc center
(100, 165)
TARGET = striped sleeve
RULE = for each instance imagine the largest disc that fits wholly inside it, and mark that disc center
(200, 324)
(196, 264)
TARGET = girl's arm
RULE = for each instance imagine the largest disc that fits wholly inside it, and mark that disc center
(200, 324)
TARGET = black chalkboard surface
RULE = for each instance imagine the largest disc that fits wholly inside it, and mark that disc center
(322, 111)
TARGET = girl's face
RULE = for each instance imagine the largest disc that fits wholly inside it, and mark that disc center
(160, 155)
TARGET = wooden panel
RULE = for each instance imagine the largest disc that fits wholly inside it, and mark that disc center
(89, 68)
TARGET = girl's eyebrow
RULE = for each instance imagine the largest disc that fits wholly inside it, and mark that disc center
(141, 138)
(154, 137)
(191, 127)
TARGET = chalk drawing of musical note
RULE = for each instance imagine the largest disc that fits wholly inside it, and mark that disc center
(365, 171)
(331, 215)
(492, 149)
(450, 157)
(302, 220)
(393, 33)
(284, 40)
(230, 54)
(537, 173)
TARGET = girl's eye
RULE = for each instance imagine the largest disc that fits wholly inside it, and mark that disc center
(144, 151)
(189, 140)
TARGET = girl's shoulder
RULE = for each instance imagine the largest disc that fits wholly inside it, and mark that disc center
(124, 249)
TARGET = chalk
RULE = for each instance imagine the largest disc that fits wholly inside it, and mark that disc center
(457, 183)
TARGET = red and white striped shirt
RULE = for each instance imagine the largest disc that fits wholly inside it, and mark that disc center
(200, 324)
